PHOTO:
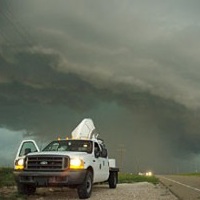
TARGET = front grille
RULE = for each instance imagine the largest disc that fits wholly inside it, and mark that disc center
(46, 162)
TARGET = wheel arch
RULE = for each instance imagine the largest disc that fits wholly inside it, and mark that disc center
(90, 168)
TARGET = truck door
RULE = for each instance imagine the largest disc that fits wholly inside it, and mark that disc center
(101, 171)
(97, 163)
(26, 147)
(104, 162)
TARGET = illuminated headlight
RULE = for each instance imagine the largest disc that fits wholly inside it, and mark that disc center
(19, 164)
(76, 163)
(149, 174)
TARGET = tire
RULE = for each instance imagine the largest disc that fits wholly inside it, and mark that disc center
(25, 189)
(85, 189)
(112, 180)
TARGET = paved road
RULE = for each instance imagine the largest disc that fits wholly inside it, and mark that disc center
(184, 187)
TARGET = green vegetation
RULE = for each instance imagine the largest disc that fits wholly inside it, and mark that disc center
(7, 181)
(133, 178)
(190, 174)
(6, 177)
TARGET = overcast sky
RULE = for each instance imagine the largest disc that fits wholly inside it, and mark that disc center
(132, 66)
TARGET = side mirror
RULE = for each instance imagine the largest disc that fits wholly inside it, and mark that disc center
(104, 153)
(27, 151)
(97, 153)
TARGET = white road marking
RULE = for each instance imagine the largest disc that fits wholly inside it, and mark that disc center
(188, 186)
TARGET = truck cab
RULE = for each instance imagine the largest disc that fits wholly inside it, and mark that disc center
(78, 162)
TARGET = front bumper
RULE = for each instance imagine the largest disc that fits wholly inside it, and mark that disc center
(64, 178)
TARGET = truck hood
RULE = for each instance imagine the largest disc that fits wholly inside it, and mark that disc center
(59, 153)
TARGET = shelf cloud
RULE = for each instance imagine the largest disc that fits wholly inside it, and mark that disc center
(132, 66)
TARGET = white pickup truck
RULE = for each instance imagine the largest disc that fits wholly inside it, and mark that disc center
(77, 163)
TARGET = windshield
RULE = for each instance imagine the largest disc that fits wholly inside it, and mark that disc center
(70, 145)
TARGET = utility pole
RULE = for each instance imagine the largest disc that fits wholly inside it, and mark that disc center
(121, 151)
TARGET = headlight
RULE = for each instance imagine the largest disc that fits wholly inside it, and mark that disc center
(76, 163)
(149, 174)
(19, 164)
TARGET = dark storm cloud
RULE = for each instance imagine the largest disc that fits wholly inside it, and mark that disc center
(132, 66)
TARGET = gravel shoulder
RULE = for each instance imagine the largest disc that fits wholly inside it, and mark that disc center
(136, 191)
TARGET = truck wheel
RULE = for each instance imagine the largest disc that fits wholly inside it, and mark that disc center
(112, 180)
(25, 189)
(85, 189)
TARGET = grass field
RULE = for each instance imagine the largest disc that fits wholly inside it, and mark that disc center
(7, 178)
(133, 178)
(190, 174)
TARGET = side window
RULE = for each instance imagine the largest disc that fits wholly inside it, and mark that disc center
(104, 152)
(97, 151)
(26, 148)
